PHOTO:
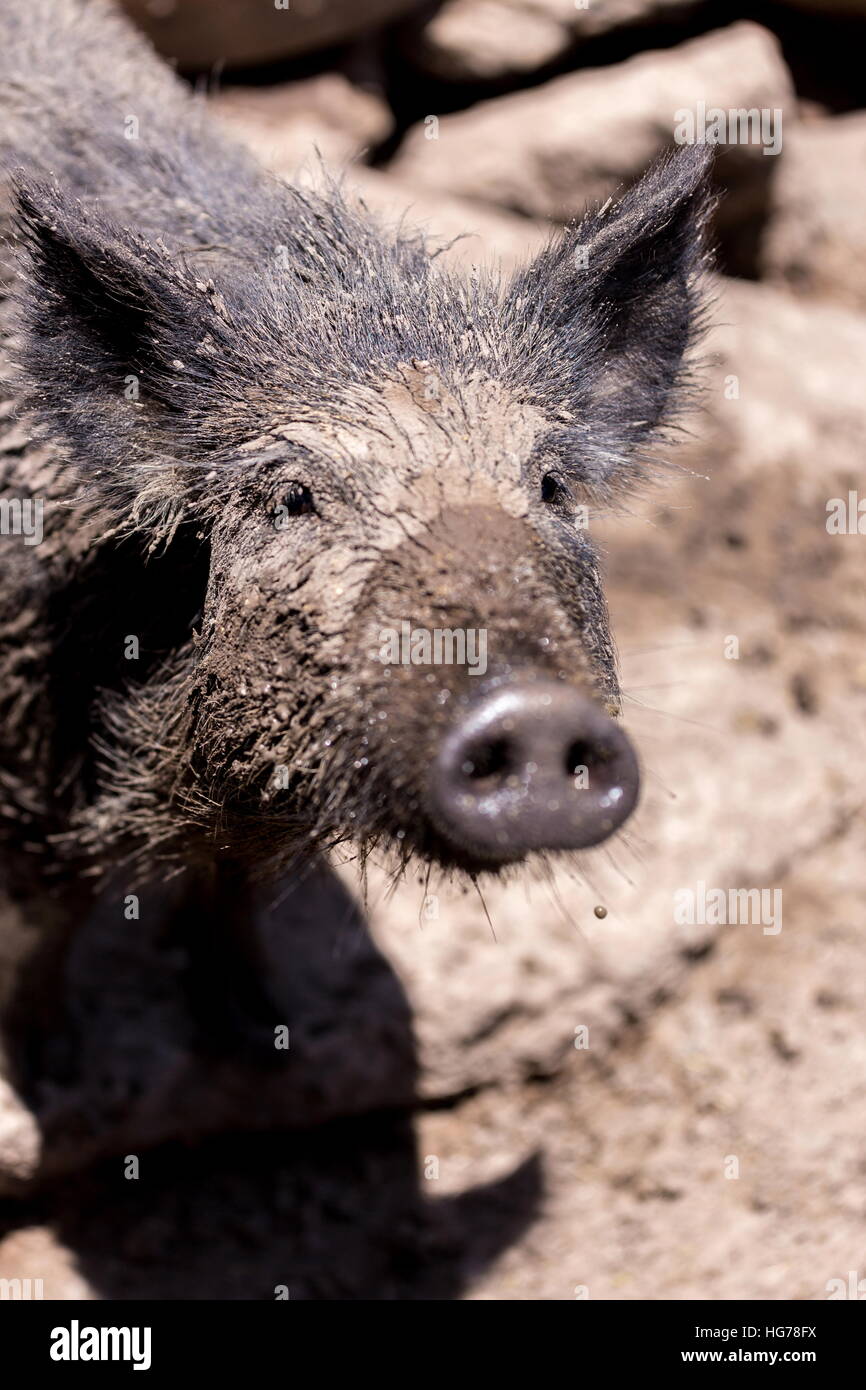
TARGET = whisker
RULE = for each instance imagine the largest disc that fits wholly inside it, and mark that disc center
(665, 788)
(624, 842)
(681, 718)
(477, 888)
(665, 647)
(553, 889)
(424, 896)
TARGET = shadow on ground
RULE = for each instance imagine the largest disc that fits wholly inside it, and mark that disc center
(333, 1214)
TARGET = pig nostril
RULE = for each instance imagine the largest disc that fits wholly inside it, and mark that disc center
(589, 755)
(487, 760)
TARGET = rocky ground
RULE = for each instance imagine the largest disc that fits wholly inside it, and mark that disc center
(626, 1105)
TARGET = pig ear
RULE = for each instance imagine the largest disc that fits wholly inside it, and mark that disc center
(104, 320)
(619, 300)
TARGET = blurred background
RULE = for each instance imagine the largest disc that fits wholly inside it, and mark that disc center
(611, 1103)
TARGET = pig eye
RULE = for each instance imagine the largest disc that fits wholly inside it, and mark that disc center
(551, 489)
(298, 500)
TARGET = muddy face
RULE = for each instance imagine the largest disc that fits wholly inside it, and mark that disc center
(406, 641)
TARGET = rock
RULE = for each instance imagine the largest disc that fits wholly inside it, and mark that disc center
(469, 233)
(482, 40)
(550, 150)
(198, 33)
(815, 242)
(799, 399)
(478, 40)
(38, 1266)
(20, 1142)
(286, 125)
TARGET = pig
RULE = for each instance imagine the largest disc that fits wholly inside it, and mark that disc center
(262, 435)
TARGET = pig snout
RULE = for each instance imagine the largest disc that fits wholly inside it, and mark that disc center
(532, 766)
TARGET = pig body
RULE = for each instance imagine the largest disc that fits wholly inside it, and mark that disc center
(261, 432)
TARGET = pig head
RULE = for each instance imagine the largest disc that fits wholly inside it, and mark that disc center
(375, 457)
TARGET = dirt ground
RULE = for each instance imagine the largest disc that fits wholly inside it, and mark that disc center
(761, 1062)
(708, 1141)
